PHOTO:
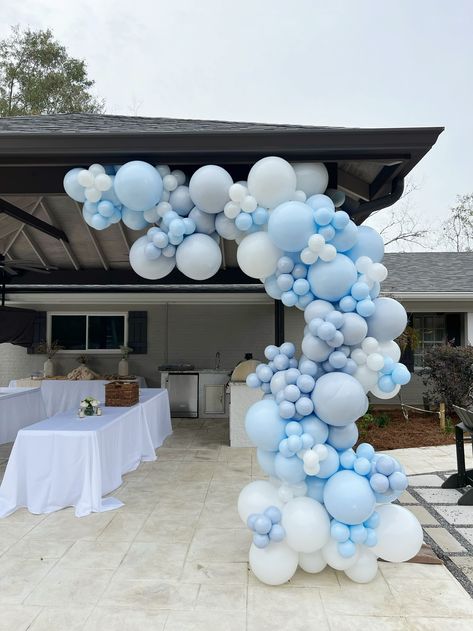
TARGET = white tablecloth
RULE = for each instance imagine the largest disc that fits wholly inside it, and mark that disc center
(60, 395)
(19, 407)
(66, 461)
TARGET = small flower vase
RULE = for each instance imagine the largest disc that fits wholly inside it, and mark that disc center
(123, 367)
(89, 411)
(48, 368)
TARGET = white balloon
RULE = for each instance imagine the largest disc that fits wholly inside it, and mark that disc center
(312, 177)
(275, 564)
(391, 349)
(255, 497)
(199, 257)
(384, 395)
(365, 568)
(152, 270)
(306, 523)
(375, 361)
(272, 181)
(102, 182)
(333, 558)
(399, 534)
(92, 194)
(151, 215)
(209, 187)
(315, 349)
(96, 169)
(85, 178)
(257, 255)
(312, 562)
(368, 378)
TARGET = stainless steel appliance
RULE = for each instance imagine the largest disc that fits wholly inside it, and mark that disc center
(183, 389)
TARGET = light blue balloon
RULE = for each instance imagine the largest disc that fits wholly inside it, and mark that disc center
(281, 362)
(294, 443)
(340, 220)
(379, 483)
(338, 531)
(110, 195)
(99, 223)
(266, 388)
(285, 282)
(362, 466)
(388, 365)
(316, 428)
(284, 449)
(260, 216)
(365, 308)
(332, 280)
(152, 252)
(264, 426)
(285, 265)
(358, 533)
(290, 225)
(348, 497)
(398, 481)
(330, 464)
(133, 219)
(262, 525)
(271, 288)
(385, 465)
(305, 383)
(106, 208)
(350, 367)
(243, 221)
(320, 201)
(315, 488)
(308, 367)
(292, 375)
(348, 459)
(181, 201)
(346, 238)
(293, 428)
(304, 406)
(360, 290)
(204, 222)
(343, 437)
(250, 522)
(72, 186)
(386, 384)
(365, 450)
(277, 533)
(307, 441)
(346, 549)
(323, 216)
(264, 373)
(289, 470)
(289, 298)
(339, 399)
(260, 541)
(369, 243)
(400, 374)
(347, 304)
(271, 351)
(373, 521)
(327, 232)
(301, 287)
(292, 393)
(274, 514)
(252, 380)
(138, 185)
(371, 538)
(287, 409)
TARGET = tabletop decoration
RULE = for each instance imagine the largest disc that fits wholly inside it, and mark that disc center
(89, 407)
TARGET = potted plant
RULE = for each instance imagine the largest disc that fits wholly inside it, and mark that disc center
(123, 363)
(89, 406)
(50, 350)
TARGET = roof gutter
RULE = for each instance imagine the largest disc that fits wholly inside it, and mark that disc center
(367, 208)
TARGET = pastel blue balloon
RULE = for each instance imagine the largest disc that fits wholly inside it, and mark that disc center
(72, 186)
(284, 449)
(320, 201)
(327, 232)
(281, 361)
(289, 298)
(177, 227)
(307, 441)
(271, 351)
(287, 409)
(250, 522)
(277, 533)
(266, 461)
(346, 549)
(305, 300)
(398, 481)
(262, 525)
(292, 393)
(362, 466)
(400, 374)
(98, 222)
(375, 290)
(337, 359)
(106, 208)
(385, 465)
(294, 443)
(338, 531)
(289, 470)
(189, 225)
(285, 265)
(340, 220)
(266, 388)
(348, 459)
(366, 308)
(304, 406)
(264, 373)
(379, 483)
(264, 426)
(271, 287)
(326, 331)
(332, 280)
(138, 185)
(347, 304)
(369, 243)
(348, 497)
(204, 222)
(260, 216)
(336, 318)
(260, 541)
(339, 399)
(343, 437)
(285, 282)
(290, 225)
(350, 367)
(288, 349)
(133, 219)
(152, 252)
(365, 450)
(274, 514)
(305, 383)
(386, 384)
(388, 365)
(358, 533)
(160, 239)
(243, 221)
(299, 271)
(373, 521)
(308, 367)
(301, 287)
(346, 238)
(371, 538)
(315, 428)
(293, 429)
(330, 464)
(323, 216)
(292, 375)
(181, 201)
(315, 488)
(360, 290)
(252, 380)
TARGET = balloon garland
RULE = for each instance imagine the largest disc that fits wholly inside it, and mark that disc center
(325, 503)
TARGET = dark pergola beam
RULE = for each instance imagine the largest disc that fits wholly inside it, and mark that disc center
(27, 218)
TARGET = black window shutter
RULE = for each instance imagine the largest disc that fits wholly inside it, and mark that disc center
(407, 355)
(39, 331)
(453, 328)
(138, 332)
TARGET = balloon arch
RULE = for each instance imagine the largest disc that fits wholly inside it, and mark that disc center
(325, 503)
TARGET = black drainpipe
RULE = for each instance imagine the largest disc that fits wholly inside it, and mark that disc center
(367, 208)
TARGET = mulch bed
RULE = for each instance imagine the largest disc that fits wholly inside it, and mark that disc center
(421, 430)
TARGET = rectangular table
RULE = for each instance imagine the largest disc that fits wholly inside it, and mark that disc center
(60, 395)
(19, 407)
(66, 461)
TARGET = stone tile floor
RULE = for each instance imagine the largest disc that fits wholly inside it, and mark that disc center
(174, 558)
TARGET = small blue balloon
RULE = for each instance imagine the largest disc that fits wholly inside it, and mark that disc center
(371, 538)
(289, 470)
(301, 287)
(323, 216)
(289, 298)
(349, 498)
(287, 409)
(379, 483)
(293, 429)
(386, 384)
(294, 443)
(373, 521)
(304, 406)
(347, 304)
(385, 465)
(346, 549)
(400, 374)
(285, 282)
(327, 232)
(292, 393)
(250, 522)
(343, 438)
(281, 361)
(326, 331)
(339, 532)
(398, 481)
(299, 271)
(288, 349)
(285, 265)
(365, 308)
(307, 441)
(388, 365)
(362, 466)
(337, 360)
(358, 533)
(336, 318)
(264, 373)
(271, 351)
(284, 449)
(347, 458)
(252, 380)
(262, 525)
(330, 464)
(360, 290)
(365, 450)
(305, 383)
(340, 220)
(308, 367)
(260, 541)
(277, 533)
(243, 221)
(274, 514)
(260, 216)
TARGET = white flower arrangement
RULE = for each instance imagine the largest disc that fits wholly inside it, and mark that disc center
(89, 407)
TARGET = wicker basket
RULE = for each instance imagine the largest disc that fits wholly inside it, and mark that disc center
(121, 393)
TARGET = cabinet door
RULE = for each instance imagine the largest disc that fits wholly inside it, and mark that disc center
(214, 399)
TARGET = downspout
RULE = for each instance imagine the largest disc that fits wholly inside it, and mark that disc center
(367, 208)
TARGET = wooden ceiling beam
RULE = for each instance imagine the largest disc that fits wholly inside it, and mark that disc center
(67, 248)
(93, 239)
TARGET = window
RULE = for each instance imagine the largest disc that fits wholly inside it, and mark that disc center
(432, 331)
(88, 331)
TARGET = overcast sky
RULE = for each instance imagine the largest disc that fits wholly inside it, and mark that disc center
(361, 63)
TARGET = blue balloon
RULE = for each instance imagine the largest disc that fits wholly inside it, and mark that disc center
(348, 459)
(330, 464)
(366, 308)
(362, 466)
(274, 514)
(133, 219)
(243, 221)
(348, 497)
(264, 426)
(358, 533)
(315, 488)
(262, 525)
(339, 399)
(370, 243)
(271, 287)
(338, 531)
(373, 521)
(301, 287)
(320, 201)
(250, 522)
(266, 461)
(316, 428)
(332, 280)
(340, 220)
(400, 374)
(327, 232)
(290, 225)
(343, 437)
(138, 185)
(398, 481)
(277, 533)
(346, 549)
(365, 450)
(347, 304)
(293, 428)
(324, 215)
(264, 373)
(285, 265)
(386, 384)
(289, 470)
(379, 483)
(346, 238)
(260, 541)
(287, 409)
(385, 465)
(304, 406)
(289, 298)
(252, 380)
(72, 186)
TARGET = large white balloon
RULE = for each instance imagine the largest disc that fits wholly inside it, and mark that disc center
(312, 562)
(257, 255)
(306, 523)
(391, 349)
(365, 568)
(333, 558)
(198, 257)
(399, 534)
(208, 188)
(255, 497)
(275, 564)
(152, 270)
(312, 177)
(384, 395)
(272, 181)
